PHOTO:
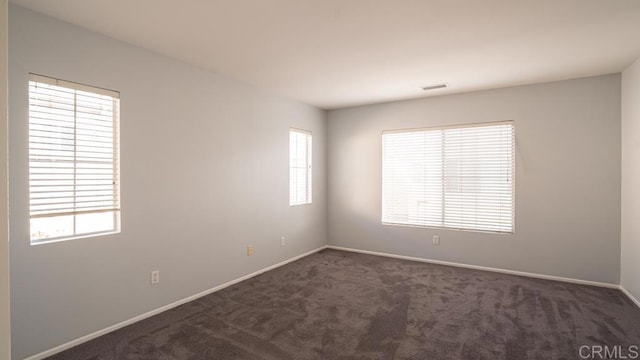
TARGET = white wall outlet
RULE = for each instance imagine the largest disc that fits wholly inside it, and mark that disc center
(155, 277)
(249, 250)
(436, 240)
(283, 241)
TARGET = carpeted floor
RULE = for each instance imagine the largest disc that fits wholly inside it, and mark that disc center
(341, 305)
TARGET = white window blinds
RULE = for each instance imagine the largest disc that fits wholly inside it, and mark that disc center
(73, 159)
(458, 177)
(299, 167)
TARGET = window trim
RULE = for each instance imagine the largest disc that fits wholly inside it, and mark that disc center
(447, 127)
(115, 124)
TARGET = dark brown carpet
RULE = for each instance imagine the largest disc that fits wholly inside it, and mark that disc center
(341, 305)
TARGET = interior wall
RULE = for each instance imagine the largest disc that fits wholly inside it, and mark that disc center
(204, 164)
(630, 269)
(5, 333)
(567, 200)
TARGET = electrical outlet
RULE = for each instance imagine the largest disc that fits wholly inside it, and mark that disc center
(436, 240)
(155, 277)
(249, 250)
(283, 241)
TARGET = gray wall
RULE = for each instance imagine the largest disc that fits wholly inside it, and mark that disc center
(5, 338)
(630, 269)
(204, 173)
(567, 178)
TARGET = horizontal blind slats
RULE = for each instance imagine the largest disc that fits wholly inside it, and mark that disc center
(79, 212)
(66, 86)
(458, 177)
(73, 149)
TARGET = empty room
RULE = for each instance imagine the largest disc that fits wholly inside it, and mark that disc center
(320, 179)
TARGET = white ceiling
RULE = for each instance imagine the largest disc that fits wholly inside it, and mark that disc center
(338, 53)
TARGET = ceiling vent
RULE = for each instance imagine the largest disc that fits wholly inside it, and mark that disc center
(433, 87)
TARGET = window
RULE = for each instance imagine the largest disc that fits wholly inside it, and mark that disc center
(458, 177)
(73, 160)
(299, 167)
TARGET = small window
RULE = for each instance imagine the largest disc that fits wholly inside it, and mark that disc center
(74, 179)
(458, 177)
(299, 167)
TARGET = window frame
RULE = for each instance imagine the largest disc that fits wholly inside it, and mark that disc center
(512, 170)
(309, 167)
(112, 159)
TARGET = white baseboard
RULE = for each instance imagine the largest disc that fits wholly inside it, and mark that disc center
(117, 326)
(630, 296)
(477, 267)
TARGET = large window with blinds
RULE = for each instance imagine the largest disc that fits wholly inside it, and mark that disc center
(299, 167)
(74, 182)
(456, 177)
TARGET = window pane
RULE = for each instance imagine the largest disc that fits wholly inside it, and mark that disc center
(299, 167)
(73, 159)
(458, 178)
(51, 227)
(98, 222)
